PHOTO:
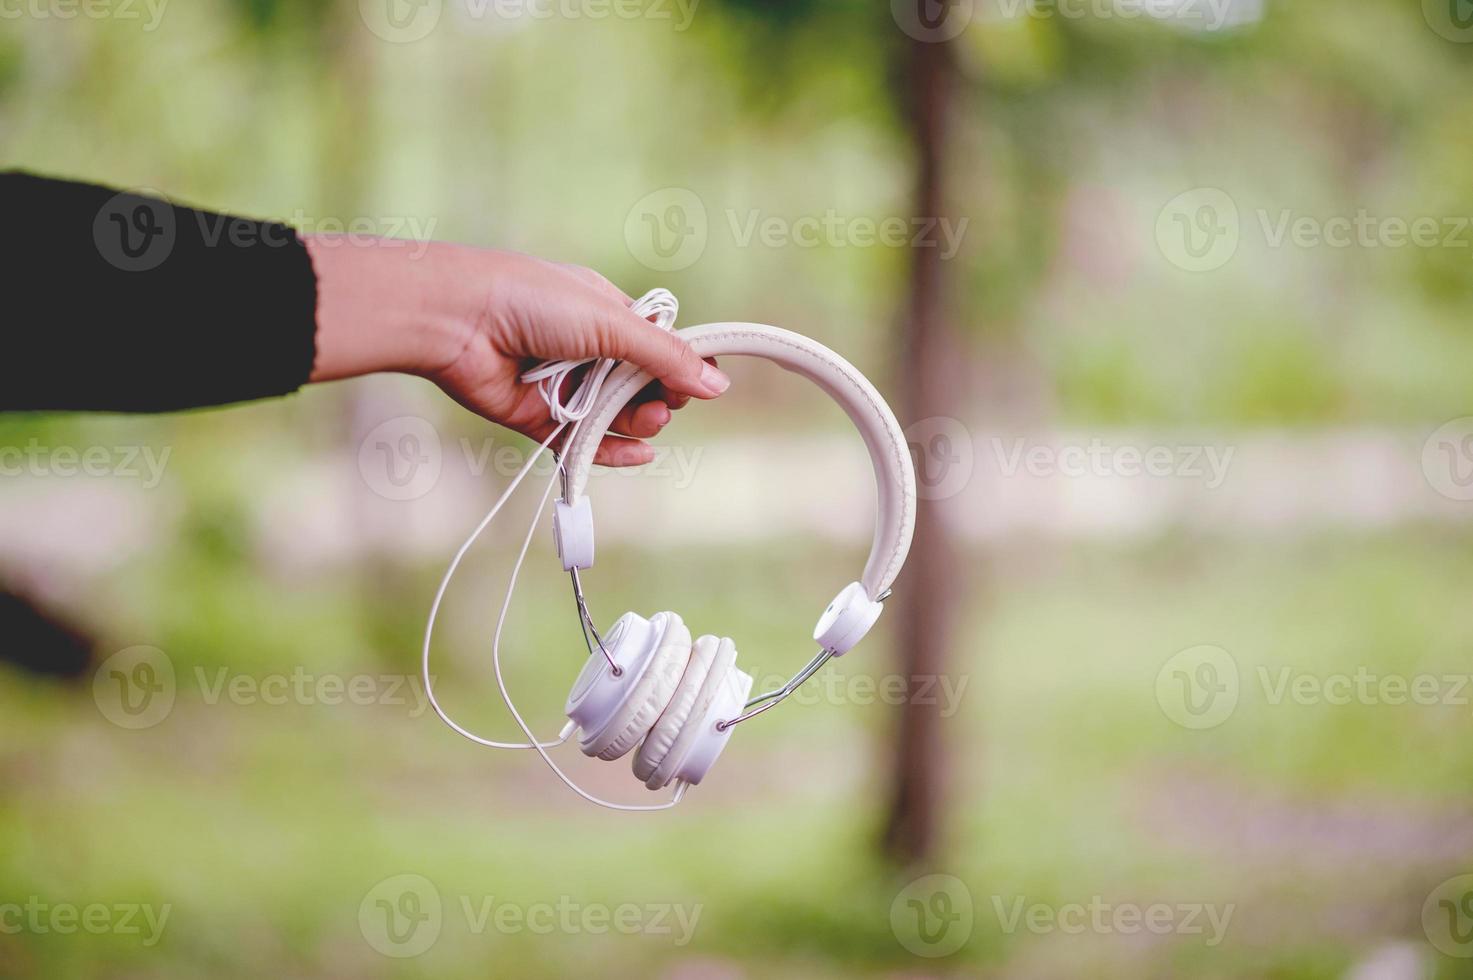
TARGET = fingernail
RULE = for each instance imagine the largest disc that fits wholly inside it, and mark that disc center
(714, 380)
(662, 415)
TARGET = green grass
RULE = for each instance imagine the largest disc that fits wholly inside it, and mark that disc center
(265, 826)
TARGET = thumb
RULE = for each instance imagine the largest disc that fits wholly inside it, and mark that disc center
(630, 337)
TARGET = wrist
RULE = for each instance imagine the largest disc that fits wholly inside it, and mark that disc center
(381, 306)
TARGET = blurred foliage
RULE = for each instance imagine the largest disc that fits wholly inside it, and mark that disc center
(1073, 133)
(265, 826)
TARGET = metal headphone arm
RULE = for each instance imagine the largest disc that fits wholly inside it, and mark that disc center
(754, 706)
(771, 698)
(585, 619)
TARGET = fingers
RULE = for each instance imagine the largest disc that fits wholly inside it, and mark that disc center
(674, 399)
(599, 282)
(613, 451)
(641, 420)
(592, 317)
(663, 354)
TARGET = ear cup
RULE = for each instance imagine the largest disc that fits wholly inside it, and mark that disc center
(723, 663)
(662, 736)
(648, 697)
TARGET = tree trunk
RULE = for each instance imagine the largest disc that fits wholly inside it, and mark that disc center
(927, 590)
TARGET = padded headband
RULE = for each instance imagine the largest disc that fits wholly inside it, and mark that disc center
(894, 473)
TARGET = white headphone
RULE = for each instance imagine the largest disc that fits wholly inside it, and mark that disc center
(647, 687)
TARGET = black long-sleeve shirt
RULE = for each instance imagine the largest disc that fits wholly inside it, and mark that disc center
(122, 302)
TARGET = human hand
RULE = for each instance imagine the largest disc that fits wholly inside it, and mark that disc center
(472, 320)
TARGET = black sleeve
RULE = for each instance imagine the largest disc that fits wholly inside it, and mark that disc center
(120, 302)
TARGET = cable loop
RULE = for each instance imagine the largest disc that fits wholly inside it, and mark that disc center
(662, 306)
(657, 304)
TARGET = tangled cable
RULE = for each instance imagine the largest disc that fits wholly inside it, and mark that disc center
(659, 304)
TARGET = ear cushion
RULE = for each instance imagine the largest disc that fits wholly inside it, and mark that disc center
(648, 697)
(664, 732)
(720, 674)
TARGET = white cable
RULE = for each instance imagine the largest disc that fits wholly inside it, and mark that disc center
(658, 303)
(549, 378)
(440, 595)
(511, 707)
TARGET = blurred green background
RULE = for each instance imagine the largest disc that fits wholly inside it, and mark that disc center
(1181, 226)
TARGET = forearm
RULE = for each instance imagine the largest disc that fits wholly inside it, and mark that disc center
(386, 304)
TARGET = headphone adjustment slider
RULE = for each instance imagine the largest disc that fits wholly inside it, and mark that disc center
(572, 529)
(847, 619)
